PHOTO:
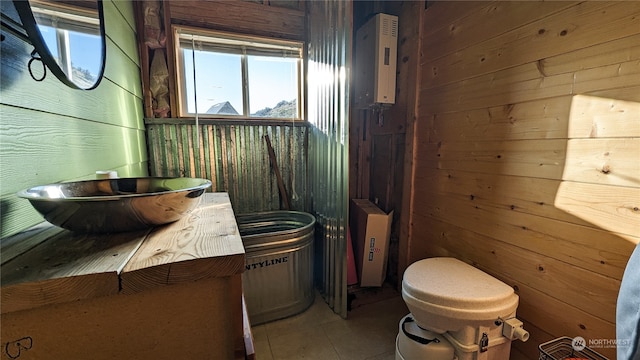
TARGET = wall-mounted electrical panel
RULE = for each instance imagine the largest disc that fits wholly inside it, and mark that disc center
(375, 62)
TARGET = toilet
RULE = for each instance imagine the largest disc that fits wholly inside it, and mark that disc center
(457, 312)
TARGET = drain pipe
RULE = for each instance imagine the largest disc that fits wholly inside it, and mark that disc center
(513, 329)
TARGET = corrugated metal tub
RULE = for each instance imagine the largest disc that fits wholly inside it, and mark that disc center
(278, 281)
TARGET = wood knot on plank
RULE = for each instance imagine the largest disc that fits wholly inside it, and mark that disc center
(540, 67)
(605, 169)
(594, 130)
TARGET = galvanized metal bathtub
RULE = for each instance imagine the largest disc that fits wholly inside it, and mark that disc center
(278, 279)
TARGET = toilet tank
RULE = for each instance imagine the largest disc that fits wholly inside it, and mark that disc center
(446, 295)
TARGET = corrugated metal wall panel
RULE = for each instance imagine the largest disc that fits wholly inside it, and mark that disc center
(235, 158)
(329, 61)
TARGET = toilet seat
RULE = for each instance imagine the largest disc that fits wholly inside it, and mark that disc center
(443, 293)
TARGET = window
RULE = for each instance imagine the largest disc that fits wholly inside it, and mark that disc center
(237, 76)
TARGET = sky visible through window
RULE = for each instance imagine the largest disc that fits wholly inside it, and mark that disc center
(271, 80)
(219, 79)
(85, 49)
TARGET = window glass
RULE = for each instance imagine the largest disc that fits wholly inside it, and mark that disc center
(218, 81)
(238, 76)
(273, 87)
(83, 49)
(79, 48)
(49, 37)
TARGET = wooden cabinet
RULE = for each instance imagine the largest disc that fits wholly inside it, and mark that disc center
(174, 292)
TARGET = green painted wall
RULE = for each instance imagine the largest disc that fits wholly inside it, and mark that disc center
(51, 133)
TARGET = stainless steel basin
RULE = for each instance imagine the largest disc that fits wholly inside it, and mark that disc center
(116, 205)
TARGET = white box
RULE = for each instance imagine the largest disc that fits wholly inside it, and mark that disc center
(375, 61)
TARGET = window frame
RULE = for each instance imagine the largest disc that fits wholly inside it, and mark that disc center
(235, 41)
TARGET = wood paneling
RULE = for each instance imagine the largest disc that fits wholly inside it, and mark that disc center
(240, 16)
(611, 161)
(601, 117)
(526, 154)
(479, 22)
(525, 42)
(53, 133)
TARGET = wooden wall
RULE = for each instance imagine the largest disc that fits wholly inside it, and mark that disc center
(50, 132)
(526, 154)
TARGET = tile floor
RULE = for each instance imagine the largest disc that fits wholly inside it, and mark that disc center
(369, 332)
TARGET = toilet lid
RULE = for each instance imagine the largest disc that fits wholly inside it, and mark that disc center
(449, 282)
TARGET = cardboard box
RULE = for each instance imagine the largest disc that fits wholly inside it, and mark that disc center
(372, 228)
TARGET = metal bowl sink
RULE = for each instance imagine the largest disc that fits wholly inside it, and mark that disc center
(116, 205)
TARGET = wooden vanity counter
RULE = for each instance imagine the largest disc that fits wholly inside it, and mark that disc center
(173, 292)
